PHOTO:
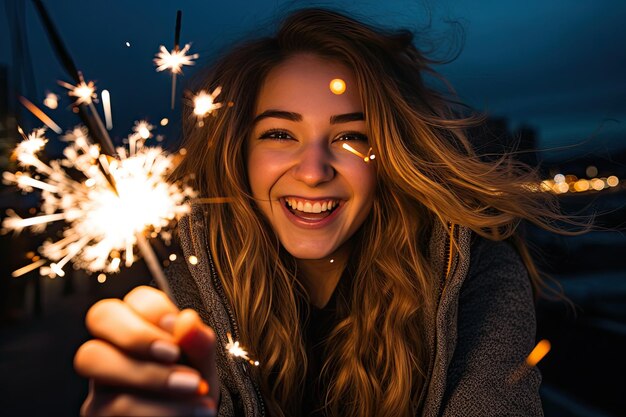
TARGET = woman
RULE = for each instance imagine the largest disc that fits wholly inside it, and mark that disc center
(372, 280)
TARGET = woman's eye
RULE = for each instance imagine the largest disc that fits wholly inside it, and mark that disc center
(276, 134)
(352, 136)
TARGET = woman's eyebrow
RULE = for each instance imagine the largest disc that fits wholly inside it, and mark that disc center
(348, 117)
(297, 117)
(279, 114)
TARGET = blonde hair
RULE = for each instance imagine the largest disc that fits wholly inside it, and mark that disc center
(427, 173)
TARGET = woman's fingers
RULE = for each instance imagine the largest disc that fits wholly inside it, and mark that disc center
(105, 364)
(154, 306)
(104, 402)
(116, 322)
(197, 341)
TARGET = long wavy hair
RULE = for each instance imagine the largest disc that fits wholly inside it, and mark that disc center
(428, 173)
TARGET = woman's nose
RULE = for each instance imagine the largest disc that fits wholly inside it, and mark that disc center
(314, 165)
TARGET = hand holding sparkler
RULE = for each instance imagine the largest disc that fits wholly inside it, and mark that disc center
(139, 341)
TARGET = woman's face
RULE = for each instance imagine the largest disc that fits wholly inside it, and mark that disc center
(314, 193)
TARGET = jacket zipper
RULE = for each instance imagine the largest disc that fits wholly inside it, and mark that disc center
(218, 286)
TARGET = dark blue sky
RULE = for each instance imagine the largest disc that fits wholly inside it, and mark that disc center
(558, 65)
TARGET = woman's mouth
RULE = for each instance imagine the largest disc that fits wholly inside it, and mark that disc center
(311, 212)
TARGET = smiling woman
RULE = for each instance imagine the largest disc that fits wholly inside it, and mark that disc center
(367, 259)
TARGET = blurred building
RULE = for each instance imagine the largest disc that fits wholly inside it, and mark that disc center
(7, 120)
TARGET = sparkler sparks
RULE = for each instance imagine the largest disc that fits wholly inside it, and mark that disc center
(84, 92)
(237, 351)
(103, 222)
(38, 113)
(174, 60)
(366, 158)
(204, 103)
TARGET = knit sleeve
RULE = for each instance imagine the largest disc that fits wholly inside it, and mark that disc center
(496, 331)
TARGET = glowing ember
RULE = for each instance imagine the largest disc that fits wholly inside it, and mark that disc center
(51, 101)
(537, 354)
(174, 60)
(204, 103)
(237, 351)
(103, 222)
(366, 158)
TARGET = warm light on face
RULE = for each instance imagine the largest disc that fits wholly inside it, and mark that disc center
(338, 86)
(297, 166)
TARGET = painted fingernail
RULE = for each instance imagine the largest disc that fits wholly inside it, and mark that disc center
(167, 322)
(164, 351)
(203, 388)
(184, 382)
(204, 412)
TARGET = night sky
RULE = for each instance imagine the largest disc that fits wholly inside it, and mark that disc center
(558, 66)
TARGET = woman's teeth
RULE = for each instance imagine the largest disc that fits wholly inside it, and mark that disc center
(308, 207)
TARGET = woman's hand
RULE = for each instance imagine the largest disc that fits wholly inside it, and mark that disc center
(132, 362)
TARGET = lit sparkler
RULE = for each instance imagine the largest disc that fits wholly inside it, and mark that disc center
(84, 92)
(176, 58)
(104, 222)
(204, 103)
(366, 158)
(237, 351)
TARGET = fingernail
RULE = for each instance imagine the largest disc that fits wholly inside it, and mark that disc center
(164, 351)
(167, 322)
(184, 382)
(204, 412)
(203, 388)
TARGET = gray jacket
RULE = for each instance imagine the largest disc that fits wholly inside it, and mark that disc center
(483, 330)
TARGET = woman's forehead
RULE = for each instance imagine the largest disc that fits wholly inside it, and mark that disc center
(307, 82)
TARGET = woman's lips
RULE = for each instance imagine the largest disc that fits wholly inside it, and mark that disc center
(311, 220)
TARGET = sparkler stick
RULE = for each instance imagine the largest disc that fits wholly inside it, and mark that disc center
(179, 16)
(38, 113)
(153, 264)
(66, 61)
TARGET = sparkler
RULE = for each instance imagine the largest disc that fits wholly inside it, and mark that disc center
(176, 58)
(235, 350)
(204, 104)
(106, 217)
